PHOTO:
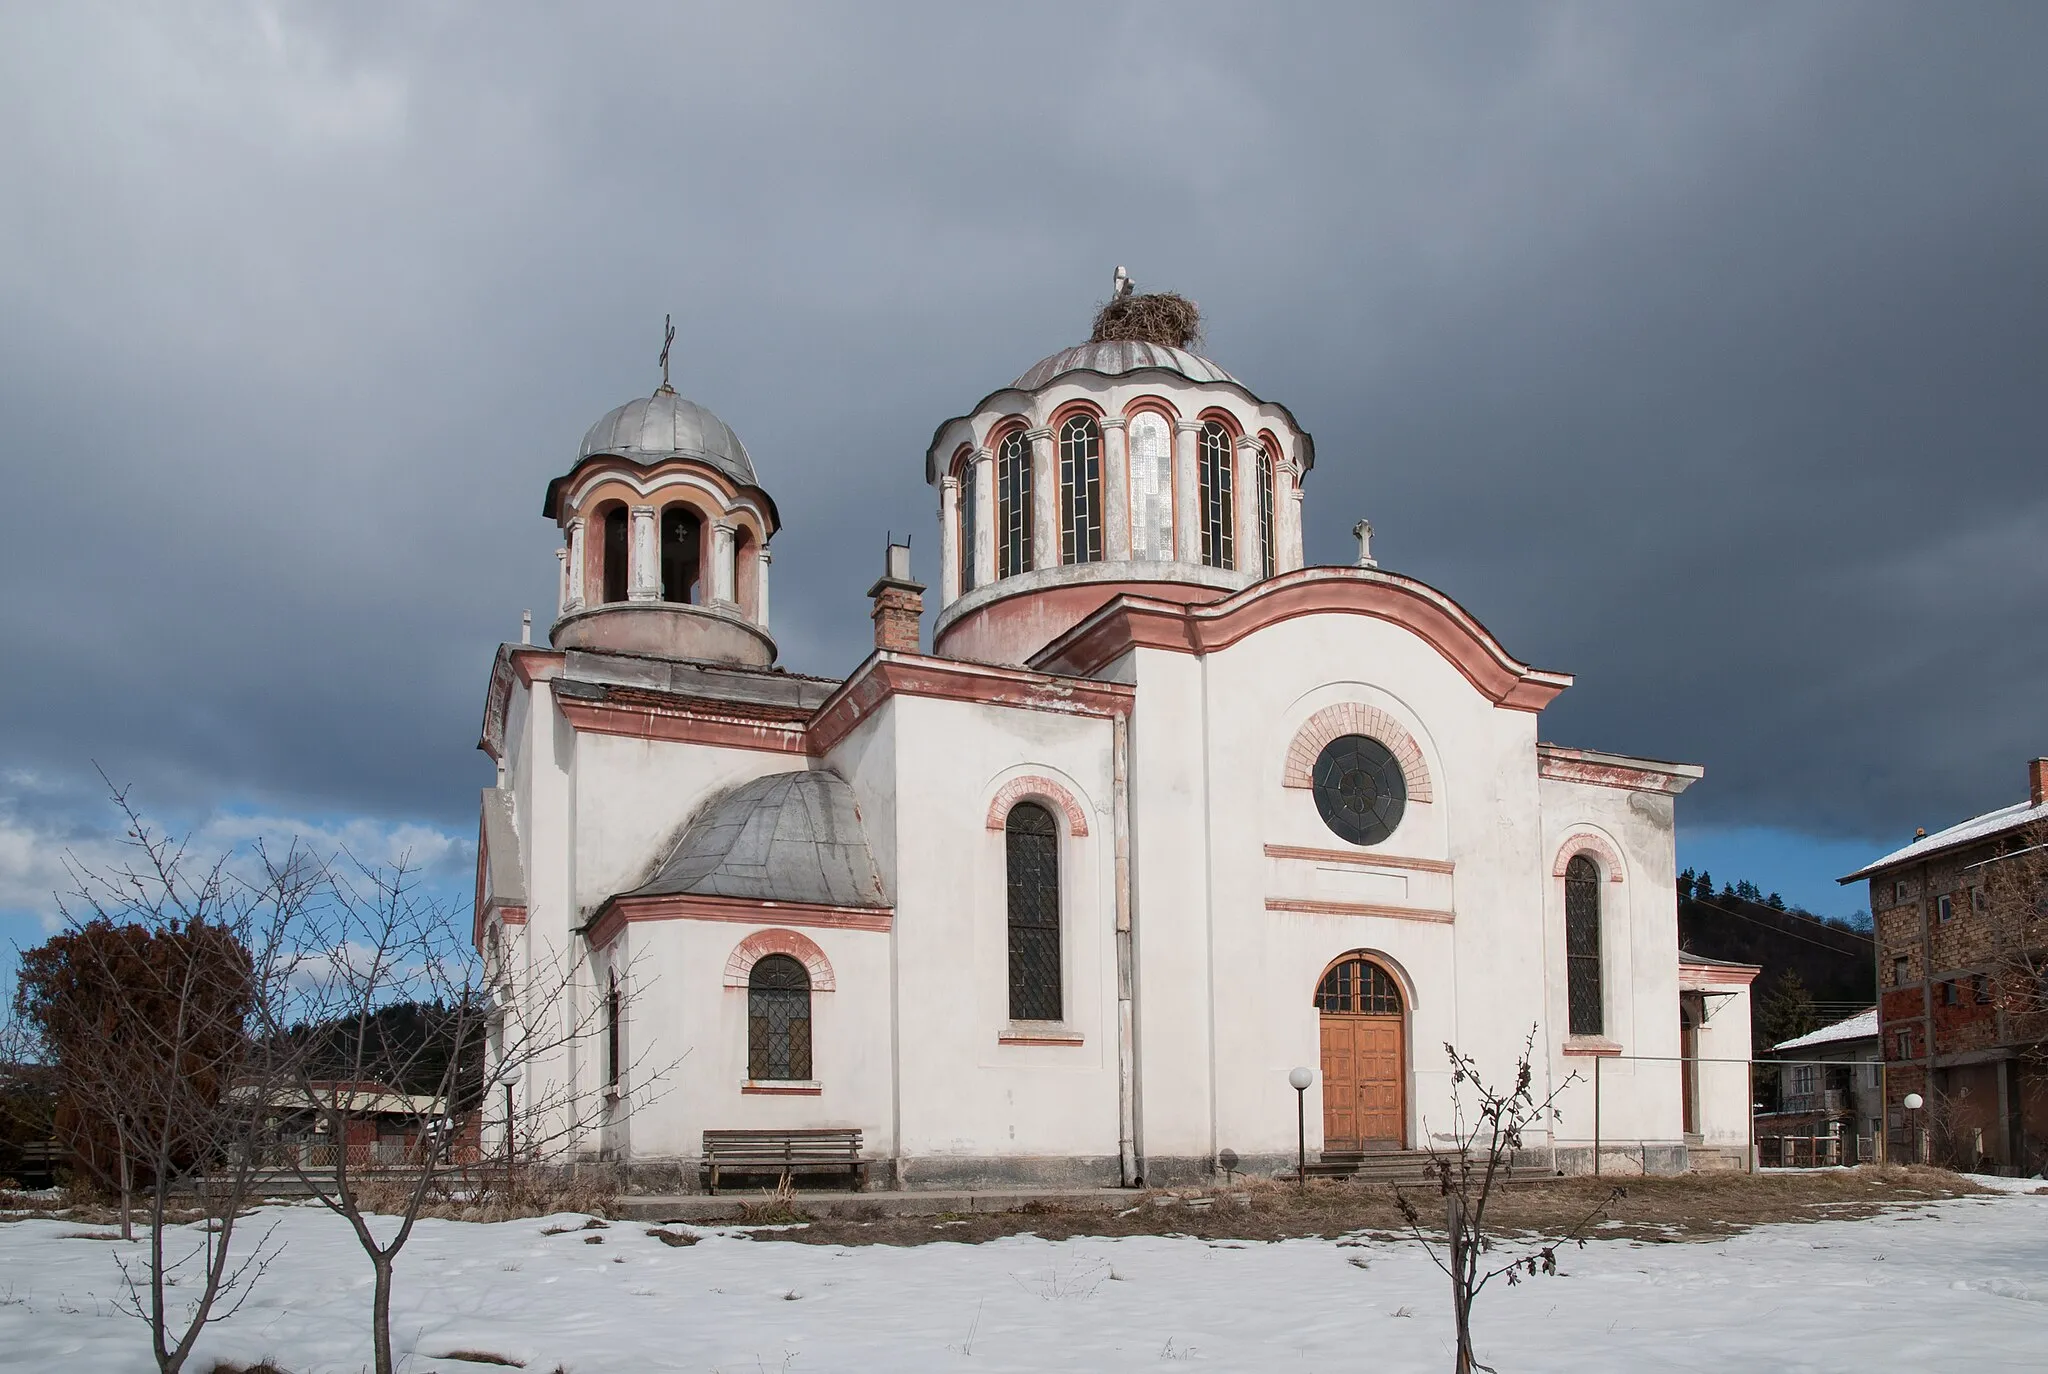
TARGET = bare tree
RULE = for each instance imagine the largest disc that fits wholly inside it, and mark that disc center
(2014, 884)
(142, 1008)
(387, 1013)
(1480, 1156)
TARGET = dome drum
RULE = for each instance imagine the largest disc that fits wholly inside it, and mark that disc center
(660, 629)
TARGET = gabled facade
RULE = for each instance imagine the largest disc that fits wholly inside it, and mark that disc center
(1164, 814)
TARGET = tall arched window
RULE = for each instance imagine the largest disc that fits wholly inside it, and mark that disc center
(1080, 491)
(1212, 467)
(612, 1008)
(681, 534)
(1582, 945)
(1013, 505)
(969, 512)
(779, 1019)
(1267, 561)
(1031, 844)
(1151, 450)
(615, 540)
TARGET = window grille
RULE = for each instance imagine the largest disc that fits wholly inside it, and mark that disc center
(779, 1020)
(1212, 468)
(1080, 491)
(1031, 845)
(1267, 561)
(1359, 985)
(1582, 946)
(969, 512)
(1151, 449)
(1013, 505)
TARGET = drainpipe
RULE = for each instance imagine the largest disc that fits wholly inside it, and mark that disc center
(1126, 1064)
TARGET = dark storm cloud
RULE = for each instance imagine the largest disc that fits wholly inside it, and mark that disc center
(1699, 352)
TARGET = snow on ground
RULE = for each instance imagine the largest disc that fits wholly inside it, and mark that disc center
(1885, 1293)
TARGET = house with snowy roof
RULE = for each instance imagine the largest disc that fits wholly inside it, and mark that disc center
(1831, 1097)
(1161, 814)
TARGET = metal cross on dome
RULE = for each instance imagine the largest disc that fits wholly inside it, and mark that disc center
(668, 339)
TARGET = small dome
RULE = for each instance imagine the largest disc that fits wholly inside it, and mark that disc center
(1114, 357)
(665, 425)
(788, 837)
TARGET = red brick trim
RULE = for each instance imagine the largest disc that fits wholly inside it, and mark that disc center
(1355, 718)
(1130, 621)
(1596, 1049)
(1357, 858)
(1608, 770)
(1313, 907)
(762, 943)
(891, 674)
(614, 915)
(758, 1089)
(1725, 975)
(1033, 787)
(1593, 843)
(683, 723)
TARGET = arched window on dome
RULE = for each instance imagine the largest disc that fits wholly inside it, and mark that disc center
(1080, 491)
(1013, 505)
(1267, 563)
(779, 1020)
(1212, 467)
(616, 534)
(1151, 447)
(681, 535)
(1582, 946)
(969, 507)
(1031, 851)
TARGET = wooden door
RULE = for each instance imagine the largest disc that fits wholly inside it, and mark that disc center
(1688, 1074)
(1364, 1082)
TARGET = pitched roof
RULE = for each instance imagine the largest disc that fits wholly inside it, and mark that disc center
(1976, 828)
(1861, 1026)
(787, 837)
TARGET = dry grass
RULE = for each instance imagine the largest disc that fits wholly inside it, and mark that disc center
(481, 1357)
(1688, 1207)
(528, 1194)
(263, 1366)
(1160, 317)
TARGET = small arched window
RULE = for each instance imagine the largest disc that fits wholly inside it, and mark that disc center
(969, 513)
(1582, 946)
(616, 530)
(1013, 505)
(1151, 444)
(1358, 987)
(1267, 561)
(681, 537)
(1080, 491)
(1212, 468)
(779, 1020)
(612, 1008)
(1031, 844)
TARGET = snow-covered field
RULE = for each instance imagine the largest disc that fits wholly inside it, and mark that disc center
(1963, 1281)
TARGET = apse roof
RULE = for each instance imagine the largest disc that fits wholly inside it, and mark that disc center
(788, 837)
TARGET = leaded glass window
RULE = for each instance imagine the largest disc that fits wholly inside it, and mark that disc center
(1359, 985)
(1031, 844)
(1212, 469)
(1013, 505)
(969, 512)
(1151, 443)
(1080, 491)
(1267, 561)
(1582, 945)
(1360, 789)
(779, 1020)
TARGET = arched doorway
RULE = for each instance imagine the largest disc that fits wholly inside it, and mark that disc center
(1365, 1057)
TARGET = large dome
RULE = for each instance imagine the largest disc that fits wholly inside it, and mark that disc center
(1114, 357)
(665, 425)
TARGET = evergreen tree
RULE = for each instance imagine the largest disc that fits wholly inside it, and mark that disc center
(1775, 902)
(1704, 888)
(1788, 1012)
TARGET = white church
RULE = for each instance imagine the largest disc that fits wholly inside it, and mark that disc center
(1160, 816)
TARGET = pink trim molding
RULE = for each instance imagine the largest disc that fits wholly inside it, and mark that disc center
(1309, 906)
(762, 943)
(1033, 787)
(1358, 858)
(1587, 842)
(613, 916)
(1355, 718)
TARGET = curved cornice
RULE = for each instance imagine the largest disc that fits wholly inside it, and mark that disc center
(1131, 621)
(647, 478)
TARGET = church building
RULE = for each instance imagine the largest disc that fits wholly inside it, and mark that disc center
(1162, 814)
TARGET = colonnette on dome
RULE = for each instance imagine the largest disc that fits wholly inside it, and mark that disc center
(1162, 812)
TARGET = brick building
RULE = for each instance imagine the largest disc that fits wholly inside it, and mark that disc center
(1959, 988)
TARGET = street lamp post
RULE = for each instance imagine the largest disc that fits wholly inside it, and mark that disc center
(508, 1076)
(1299, 1079)
(1913, 1103)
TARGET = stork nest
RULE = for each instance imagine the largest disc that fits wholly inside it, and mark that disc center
(1161, 317)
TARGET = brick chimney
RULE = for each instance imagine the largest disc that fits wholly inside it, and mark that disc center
(2037, 781)
(899, 602)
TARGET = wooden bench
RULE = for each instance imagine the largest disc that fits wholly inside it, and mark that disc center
(784, 1154)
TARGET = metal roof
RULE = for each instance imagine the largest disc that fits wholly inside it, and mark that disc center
(1114, 357)
(788, 837)
(666, 425)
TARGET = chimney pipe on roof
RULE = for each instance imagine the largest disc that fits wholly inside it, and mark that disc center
(2037, 781)
(899, 603)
